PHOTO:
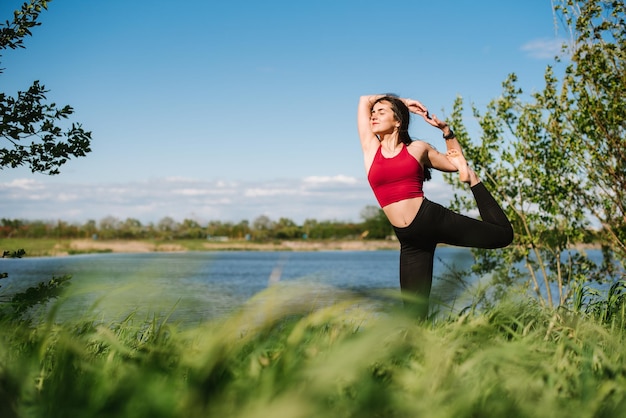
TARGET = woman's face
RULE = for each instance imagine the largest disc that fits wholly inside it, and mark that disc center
(382, 119)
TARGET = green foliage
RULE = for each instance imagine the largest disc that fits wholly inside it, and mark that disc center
(28, 119)
(375, 223)
(353, 358)
(559, 160)
(39, 294)
(12, 254)
(287, 229)
(262, 229)
(42, 293)
(323, 230)
(12, 33)
(592, 103)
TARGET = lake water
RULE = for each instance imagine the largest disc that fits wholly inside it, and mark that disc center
(197, 286)
(201, 285)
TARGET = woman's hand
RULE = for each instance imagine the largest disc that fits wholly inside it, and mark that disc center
(418, 108)
(435, 121)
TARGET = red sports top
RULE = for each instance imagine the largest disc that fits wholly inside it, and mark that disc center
(396, 178)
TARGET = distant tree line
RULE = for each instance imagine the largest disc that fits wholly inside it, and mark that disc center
(374, 225)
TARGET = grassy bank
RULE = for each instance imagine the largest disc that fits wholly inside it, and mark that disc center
(33, 247)
(45, 247)
(357, 358)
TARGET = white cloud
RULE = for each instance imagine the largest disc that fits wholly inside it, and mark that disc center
(25, 184)
(68, 197)
(178, 179)
(269, 192)
(338, 179)
(323, 198)
(192, 192)
(543, 48)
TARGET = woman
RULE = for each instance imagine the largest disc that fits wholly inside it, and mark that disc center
(397, 167)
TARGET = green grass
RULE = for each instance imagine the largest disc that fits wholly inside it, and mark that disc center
(42, 247)
(187, 244)
(354, 358)
(39, 247)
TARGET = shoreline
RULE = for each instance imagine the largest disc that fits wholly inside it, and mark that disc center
(86, 246)
(69, 247)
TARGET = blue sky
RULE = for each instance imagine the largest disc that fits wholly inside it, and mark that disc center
(215, 110)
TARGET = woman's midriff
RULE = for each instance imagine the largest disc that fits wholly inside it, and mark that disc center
(402, 213)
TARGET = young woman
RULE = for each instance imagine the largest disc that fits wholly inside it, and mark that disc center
(397, 167)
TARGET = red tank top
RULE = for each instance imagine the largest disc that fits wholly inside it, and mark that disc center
(397, 178)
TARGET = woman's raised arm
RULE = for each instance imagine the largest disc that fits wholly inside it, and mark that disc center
(364, 111)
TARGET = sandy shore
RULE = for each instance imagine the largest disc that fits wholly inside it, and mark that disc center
(130, 246)
(81, 246)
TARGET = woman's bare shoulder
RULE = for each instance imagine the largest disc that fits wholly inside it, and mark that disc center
(420, 150)
(418, 143)
(419, 146)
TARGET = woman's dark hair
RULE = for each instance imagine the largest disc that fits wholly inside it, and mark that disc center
(402, 115)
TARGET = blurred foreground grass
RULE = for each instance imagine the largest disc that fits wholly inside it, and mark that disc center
(355, 357)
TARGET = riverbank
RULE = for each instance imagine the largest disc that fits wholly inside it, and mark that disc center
(121, 246)
(51, 248)
(47, 247)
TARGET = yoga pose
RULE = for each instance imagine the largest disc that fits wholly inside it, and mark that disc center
(397, 167)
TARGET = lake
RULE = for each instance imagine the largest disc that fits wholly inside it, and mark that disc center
(203, 285)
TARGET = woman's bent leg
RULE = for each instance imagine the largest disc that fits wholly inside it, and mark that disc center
(435, 224)
(493, 231)
(491, 212)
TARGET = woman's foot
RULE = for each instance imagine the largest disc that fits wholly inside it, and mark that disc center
(466, 174)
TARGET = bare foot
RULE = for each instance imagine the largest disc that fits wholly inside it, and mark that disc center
(457, 158)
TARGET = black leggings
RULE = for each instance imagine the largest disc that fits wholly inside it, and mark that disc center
(436, 224)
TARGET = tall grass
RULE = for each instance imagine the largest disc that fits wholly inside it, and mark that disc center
(355, 357)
